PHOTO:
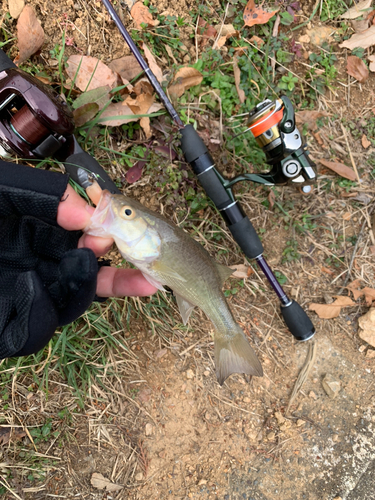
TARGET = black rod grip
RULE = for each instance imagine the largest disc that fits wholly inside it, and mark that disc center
(246, 237)
(5, 62)
(79, 166)
(297, 321)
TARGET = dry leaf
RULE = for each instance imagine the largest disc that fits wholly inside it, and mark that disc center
(185, 78)
(372, 63)
(102, 483)
(145, 120)
(360, 25)
(329, 311)
(141, 15)
(153, 64)
(227, 31)
(206, 32)
(254, 14)
(367, 325)
(16, 7)
(364, 39)
(30, 34)
(258, 41)
(127, 67)
(357, 10)
(353, 287)
(271, 198)
(100, 96)
(85, 113)
(340, 169)
(169, 50)
(357, 69)
(309, 118)
(365, 142)
(319, 34)
(237, 80)
(241, 271)
(117, 113)
(369, 294)
(90, 73)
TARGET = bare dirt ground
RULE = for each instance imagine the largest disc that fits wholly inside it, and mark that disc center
(162, 427)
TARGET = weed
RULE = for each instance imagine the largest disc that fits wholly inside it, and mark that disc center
(290, 252)
(331, 9)
(288, 82)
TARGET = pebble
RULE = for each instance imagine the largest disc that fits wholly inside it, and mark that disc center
(300, 422)
(206, 373)
(189, 374)
(139, 476)
(149, 429)
(370, 354)
(271, 436)
(313, 395)
(331, 386)
(246, 400)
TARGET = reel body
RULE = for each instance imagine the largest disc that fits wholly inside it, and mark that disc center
(34, 120)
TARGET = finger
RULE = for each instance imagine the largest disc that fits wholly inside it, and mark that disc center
(100, 246)
(73, 212)
(114, 282)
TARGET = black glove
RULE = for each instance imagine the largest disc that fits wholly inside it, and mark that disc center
(45, 281)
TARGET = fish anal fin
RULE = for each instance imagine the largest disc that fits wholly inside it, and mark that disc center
(163, 269)
(184, 307)
(235, 355)
(224, 272)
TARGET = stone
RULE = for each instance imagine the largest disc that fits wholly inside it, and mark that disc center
(367, 327)
(370, 354)
(189, 374)
(331, 386)
(149, 429)
(139, 476)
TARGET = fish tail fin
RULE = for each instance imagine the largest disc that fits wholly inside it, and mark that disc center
(234, 354)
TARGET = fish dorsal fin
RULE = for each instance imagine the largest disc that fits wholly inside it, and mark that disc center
(224, 272)
(184, 307)
(164, 270)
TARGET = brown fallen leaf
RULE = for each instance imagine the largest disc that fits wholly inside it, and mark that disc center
(30, 34)
(357, 10)
(153, 64)
(329, 311)
(90, 73)
(227, 31)
(255, 14)
(206, 32)
(85, 113)
(271, 198)
(309, 118)
(237, 80)
(117, 113)
(372, 63)
(127, 67)
(320, 34)
(241, 271)
(340, 169)
(141, 15)
(185, 78)
(257, 40)
(102, 483)
(357, 69)
(360, 25)
(16, 7)
(364, 39)
(369, 294)
(367, 327)
(365, 142)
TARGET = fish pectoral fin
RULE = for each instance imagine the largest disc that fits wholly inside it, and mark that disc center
(166, 271)
(153, 282)
(234, 354)
(224, 272)
(184, 307)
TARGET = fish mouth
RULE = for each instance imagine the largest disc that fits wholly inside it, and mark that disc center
(102, 218)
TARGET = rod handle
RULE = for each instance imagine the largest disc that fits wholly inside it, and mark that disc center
(297, 321)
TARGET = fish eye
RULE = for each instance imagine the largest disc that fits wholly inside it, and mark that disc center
(127, 213)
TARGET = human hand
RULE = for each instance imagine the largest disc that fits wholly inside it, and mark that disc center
(74, 214)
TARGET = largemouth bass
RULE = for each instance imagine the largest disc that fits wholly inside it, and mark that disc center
(168, 256)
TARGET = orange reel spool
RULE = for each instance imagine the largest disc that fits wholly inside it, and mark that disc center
(266, 122)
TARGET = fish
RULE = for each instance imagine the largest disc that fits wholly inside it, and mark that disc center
(168, 256)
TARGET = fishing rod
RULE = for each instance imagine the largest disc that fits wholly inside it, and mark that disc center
(273, 126)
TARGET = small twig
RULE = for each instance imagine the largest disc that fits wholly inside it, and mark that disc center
(221, 27)
(350, 152)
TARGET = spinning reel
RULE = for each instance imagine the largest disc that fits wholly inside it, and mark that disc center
(272, 123)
